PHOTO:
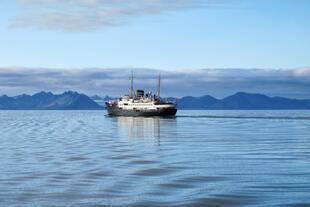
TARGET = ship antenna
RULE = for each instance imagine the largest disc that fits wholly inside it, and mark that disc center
(131, 86)
(158, 86)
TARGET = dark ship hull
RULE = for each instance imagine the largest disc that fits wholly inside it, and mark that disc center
(164, 112)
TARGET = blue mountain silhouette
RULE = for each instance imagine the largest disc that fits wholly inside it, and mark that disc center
(242, 101)
(48, 101)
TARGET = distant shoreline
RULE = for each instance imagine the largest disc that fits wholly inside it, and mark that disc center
(71, 100)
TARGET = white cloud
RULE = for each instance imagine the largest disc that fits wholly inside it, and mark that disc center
(114, 82)
(84, 15)
(303, 72)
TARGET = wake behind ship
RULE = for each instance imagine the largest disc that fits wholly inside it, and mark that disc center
(140, 104)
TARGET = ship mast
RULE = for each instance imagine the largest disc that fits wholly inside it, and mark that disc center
(158, 86)
(131, 85)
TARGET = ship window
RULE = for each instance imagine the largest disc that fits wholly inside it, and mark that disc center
(125, 104)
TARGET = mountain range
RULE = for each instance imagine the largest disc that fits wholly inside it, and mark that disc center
(75, 101)
(242, 101)
(48, 101)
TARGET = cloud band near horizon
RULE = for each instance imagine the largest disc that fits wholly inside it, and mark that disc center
(294, 83)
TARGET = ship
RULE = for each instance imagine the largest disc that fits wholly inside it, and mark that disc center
(139, 103)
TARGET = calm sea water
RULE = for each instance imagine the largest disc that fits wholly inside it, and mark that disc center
(199, 158)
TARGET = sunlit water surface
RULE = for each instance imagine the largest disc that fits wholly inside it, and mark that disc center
(199, 158)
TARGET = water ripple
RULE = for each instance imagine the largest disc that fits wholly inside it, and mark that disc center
(199, 158)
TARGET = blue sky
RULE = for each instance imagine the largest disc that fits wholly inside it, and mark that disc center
(200, 34)
(180, 36)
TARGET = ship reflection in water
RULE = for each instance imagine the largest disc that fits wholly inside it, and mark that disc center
(148, 129)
